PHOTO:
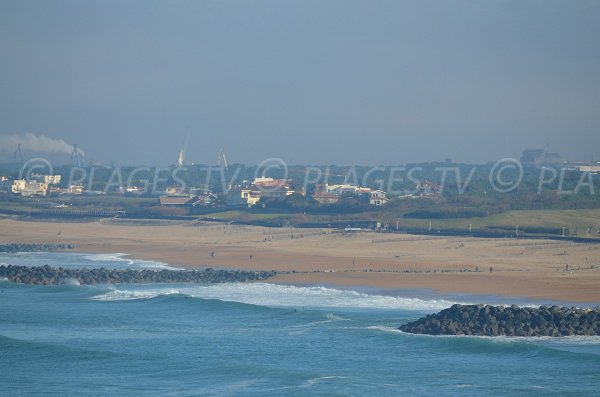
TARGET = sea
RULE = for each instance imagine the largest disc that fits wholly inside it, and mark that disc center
(261, 339)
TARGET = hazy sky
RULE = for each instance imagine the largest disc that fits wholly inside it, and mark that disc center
(320, 82)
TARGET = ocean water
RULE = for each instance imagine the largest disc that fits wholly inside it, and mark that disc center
(259, 339)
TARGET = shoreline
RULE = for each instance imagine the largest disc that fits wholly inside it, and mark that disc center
(521, 268)
(432, 294)
(423, 294)
(496, 285)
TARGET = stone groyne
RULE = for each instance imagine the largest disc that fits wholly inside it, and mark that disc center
(18, 247)
(48, 275)
(487, 320)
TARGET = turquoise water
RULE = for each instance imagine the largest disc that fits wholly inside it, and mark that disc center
(260, 339)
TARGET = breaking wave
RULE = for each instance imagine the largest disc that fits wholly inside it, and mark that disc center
(120, 258)
(81, 260)
(274, 295)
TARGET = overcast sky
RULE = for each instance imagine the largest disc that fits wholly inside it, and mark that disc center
(311, 82)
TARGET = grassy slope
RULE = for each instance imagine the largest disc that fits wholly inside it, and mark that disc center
(248, 216)
(578, 220)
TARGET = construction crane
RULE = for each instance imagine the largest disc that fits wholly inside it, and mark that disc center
(76, 154)
(222, 159)
(181, 156)
(20, 153)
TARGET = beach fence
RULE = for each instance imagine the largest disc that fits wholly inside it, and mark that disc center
(294, 234)
(86, 212)
(406, 239)
(535, 245)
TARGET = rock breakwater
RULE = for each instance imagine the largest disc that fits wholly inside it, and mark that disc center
(48, 275)
(487, 320)
(18, 247)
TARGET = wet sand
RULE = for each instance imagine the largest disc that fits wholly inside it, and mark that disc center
(527, 268)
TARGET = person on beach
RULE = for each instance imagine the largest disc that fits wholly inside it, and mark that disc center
(490, 269)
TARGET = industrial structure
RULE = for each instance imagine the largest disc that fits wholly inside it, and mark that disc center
(20, 153)
(541, 157)
(222, 159)
(77, 155)
(182, 151)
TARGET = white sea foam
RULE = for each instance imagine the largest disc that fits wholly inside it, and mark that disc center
(120, 295)
(556, 341)
(333, 317)
(116, 257)
(274, 295)
(382, 328)
(142, 264)
(128, 262)
(314, 381)
(82, 260)
(300, 329)
(567, 340)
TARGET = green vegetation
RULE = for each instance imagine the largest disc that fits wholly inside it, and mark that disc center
(577, 222)
(247, 216)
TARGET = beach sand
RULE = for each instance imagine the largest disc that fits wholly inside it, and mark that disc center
(521, 267)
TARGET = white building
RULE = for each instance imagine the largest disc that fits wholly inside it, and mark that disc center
(18, 186)
(341, 189)
(250, 193)
(378, 197)
(51, 179)
(175, 191)
(135, 190)
(75, 189)
(35, 189)
(594, 169)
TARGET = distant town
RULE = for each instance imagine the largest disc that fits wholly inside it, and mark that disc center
(410, 197)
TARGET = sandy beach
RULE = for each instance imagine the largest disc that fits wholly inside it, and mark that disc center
(520, 267)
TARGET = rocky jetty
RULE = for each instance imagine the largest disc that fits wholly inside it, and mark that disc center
(486, 320)
(17, 247)
(47, 275)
